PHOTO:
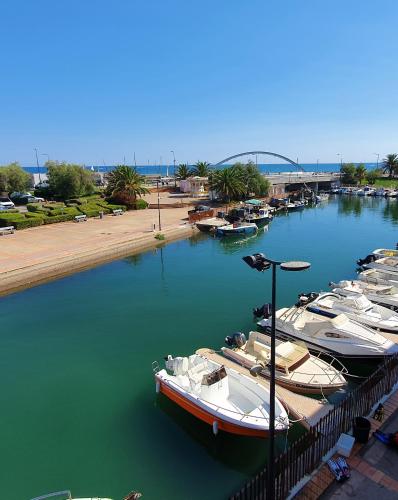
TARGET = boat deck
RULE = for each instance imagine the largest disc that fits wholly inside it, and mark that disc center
(212, 222)
(307, 410)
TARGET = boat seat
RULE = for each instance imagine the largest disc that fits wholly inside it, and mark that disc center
(183, 381)
(180, 366)
(260, 351)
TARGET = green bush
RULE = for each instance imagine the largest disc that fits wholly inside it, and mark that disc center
(19, 221)
(64, 211)
(160, 237)
(34, 215)
(58, 218)
(54, 206)
(140, 204)
(90, 212)
(10, 211)
(36, 207)
(112, 206)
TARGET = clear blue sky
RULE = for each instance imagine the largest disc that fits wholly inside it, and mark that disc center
(93, 80)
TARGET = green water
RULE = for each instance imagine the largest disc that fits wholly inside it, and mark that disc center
(77, 399)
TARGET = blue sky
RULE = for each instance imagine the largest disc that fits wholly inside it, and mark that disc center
(93, 81)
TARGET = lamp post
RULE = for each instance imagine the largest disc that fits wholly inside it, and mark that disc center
(174, 166)
(157, 187)
(38, 166)
(259, 262)
(378, 156)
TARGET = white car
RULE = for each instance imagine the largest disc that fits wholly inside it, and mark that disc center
(6, 203)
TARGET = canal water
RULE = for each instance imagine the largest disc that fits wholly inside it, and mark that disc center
(78, 403)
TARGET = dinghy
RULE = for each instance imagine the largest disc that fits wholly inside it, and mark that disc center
(378, 277)
(385, 295)
(337, 335)
(67, 495)
(386, 265)
(222, 397)
(237, 229)
(295, 368)
(357, 308)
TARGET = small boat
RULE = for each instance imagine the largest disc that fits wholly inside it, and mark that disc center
(385, 252)
(339, 335)
(377, 276)
(67, 495)
(295, 205)
(320, 197)
(237, 228)
(356, 307)
(262, 216)
(295, 368)
(384, 264)
(220, 396)
(385, 295)
(207, 225)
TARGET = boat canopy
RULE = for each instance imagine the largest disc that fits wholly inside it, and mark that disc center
(254, 202)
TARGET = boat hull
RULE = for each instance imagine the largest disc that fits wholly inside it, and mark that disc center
(239, 231)
(314, 348)
(207, 417)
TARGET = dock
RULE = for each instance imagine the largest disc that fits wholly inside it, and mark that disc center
(307, 411)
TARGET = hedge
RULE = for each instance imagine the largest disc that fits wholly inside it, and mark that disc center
(36, 207)
(21, 222)
(64, 211)
(58, 218)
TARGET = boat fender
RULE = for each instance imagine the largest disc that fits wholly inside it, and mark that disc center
(215, 427)
(157, 387)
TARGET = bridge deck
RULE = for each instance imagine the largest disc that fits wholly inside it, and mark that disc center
(307, 410)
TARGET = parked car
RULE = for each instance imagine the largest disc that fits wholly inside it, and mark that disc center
(24, 198)
(5, 203)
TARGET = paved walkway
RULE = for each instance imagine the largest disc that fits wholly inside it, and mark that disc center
(374, 468)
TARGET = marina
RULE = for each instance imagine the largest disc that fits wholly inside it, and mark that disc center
(120, 317)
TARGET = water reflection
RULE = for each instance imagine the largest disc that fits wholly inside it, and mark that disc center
(390, 211)
(233, 244)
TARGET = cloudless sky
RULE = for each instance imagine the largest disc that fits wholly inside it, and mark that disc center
(92, 81)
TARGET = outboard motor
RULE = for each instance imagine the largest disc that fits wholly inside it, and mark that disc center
(306, 298)
(237, 339)
(262, 312)
(367, 260)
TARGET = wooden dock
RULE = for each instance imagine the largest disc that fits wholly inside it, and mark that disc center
(307, 411)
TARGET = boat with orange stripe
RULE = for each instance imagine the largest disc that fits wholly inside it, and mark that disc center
(220, 396)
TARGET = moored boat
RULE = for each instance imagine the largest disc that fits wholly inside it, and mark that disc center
(356, 307)
(295, 368)
(384, 264)
(219, 396)
(385, 295)
(237, 228)
(378, 276)
(338, 335)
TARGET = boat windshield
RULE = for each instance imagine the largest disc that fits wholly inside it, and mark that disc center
(215, 376)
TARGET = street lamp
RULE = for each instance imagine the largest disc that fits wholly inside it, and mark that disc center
(174, 165)
(378, 156)
(261, 263)
(38, 166)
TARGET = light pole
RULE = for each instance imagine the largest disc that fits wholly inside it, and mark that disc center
(38, 166)
(157, 187)
(259, 262)
(174, 167)
(378, 156)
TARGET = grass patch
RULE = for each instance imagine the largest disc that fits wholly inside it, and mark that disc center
(160, 237)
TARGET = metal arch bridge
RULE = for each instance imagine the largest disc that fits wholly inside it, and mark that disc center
(269, 153)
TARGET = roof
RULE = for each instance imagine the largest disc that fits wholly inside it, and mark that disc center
(254, 202)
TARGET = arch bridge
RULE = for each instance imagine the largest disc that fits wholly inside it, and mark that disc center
(269, 153)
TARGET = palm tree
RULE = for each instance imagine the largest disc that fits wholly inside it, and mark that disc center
(201, 169)
(360, 173)
(228, 183)
(182, 172)
(390, 164)
(125, 184)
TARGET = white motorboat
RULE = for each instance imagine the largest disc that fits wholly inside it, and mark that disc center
(237, 229)
(385, 295)
(384, 264)
(295, 368)
(384, 252)
(357, 308)
(377, 276)
(339, 336)
(220, 396)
